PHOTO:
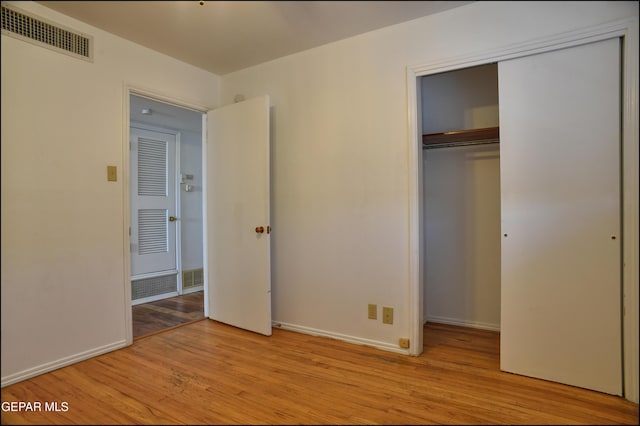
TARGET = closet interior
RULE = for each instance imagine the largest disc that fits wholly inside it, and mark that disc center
(461, 172)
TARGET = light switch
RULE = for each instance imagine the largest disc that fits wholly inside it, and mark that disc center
(372, 311)
(112, 174)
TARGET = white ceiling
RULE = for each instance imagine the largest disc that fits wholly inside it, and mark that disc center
(225, 36)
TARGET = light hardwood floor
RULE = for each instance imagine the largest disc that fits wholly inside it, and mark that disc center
(209, 373)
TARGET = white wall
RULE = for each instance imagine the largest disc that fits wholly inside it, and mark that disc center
(462, 236)
(63, 248)
(462, 201)
(340, 194)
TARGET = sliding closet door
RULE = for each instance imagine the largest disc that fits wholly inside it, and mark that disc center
(560, 190)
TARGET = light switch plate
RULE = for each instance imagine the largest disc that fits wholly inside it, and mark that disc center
(372, 311)
(112, 174)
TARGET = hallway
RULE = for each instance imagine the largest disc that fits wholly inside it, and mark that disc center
(154, 317)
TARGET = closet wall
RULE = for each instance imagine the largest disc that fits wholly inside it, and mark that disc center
(462, 201)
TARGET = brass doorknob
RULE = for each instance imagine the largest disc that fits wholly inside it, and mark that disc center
(259, 229)
(172, 218)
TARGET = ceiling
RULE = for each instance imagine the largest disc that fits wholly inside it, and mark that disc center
(164, 115)
(226, 36)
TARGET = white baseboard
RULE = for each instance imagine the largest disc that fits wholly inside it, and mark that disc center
(389, 347)
(464, 323)
(63, 362)
(154, 298)
(193, 289)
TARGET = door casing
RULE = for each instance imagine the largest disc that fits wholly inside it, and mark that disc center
(129, 90)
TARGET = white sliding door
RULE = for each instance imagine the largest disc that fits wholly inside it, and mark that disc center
(560, 183)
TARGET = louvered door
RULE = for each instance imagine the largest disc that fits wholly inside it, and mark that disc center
(153, 203)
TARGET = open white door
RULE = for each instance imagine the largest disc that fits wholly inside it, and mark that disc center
(560, 184)
(237, 264)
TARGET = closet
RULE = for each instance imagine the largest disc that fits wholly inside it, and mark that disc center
(522, 232)
(461, 172)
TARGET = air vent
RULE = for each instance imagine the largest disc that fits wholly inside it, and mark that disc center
(28, 27)
(151, 287)
(192, 278)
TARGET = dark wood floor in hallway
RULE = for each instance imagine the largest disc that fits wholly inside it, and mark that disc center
(153, 317)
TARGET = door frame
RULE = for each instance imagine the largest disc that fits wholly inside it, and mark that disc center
(159, 96)
(627, 29)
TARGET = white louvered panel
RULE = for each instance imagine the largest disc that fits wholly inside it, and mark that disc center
(152, 231)
(152, 167)
(149, 287)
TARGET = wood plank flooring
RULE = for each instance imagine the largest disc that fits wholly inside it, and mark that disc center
(210, 373)
(153, 317)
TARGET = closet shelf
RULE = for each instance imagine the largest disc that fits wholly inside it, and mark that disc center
(461, 137)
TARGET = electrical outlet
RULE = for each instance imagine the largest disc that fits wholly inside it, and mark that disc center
(403, 343)
(387, 315)
(373, 311)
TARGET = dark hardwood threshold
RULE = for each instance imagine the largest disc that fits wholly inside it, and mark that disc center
(165, 314)
(153, 333)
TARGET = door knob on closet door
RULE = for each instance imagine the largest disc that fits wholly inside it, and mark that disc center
(259, 229)
(172, 218)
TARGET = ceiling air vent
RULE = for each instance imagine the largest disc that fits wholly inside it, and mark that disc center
(33, 29)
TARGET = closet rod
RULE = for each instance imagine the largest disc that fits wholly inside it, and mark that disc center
(460, 143)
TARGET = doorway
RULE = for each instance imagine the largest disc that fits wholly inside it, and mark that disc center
(166, 225)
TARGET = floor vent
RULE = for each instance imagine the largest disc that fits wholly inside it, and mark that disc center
(192, 278)
(149, 287)
(25, 26)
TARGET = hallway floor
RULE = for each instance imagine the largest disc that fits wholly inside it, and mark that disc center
(153, 317)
